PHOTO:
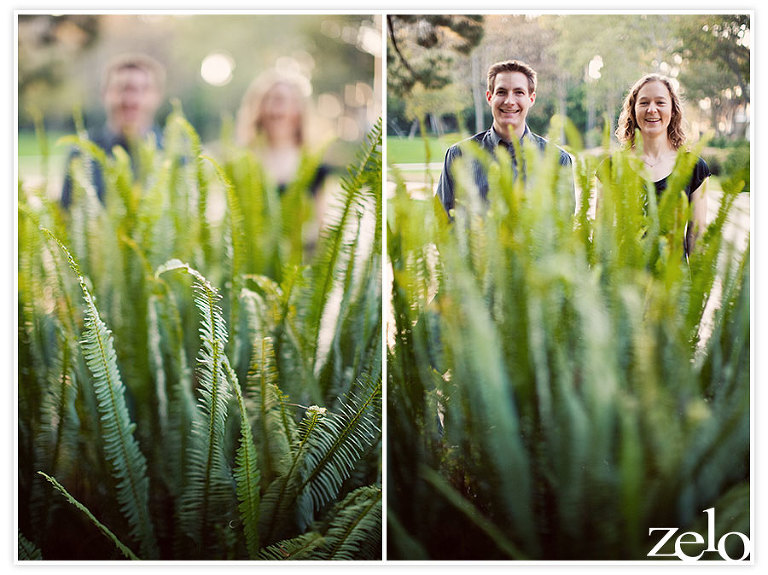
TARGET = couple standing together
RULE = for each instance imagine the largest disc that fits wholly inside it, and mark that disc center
(652, 107)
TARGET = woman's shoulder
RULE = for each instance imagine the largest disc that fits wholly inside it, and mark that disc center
(701, 164)
(700, 173)
(701, 169)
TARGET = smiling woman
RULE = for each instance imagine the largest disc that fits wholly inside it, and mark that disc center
(653, 109)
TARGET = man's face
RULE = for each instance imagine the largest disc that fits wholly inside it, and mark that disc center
(131, 99)
(510, 102)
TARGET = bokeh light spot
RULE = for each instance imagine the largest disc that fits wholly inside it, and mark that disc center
(217, 69)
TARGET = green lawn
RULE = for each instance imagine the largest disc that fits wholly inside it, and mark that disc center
(401, 150)
(33, 170)
(30, 146)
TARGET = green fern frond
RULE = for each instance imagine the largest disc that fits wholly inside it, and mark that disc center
(85, 145)
(57, 413)
(59, 419)
(156, 364)
(247, 473)
(286, 505)
(275, 425)
(28, 551)
(711, 254)
(355, 347)
(129, 466)
(302, 547)
(210, 489)
(296, 209)
(236, 255)
(334, 247)
(260, 207)
(273, 302)
(103, 528)
(327, 361)
(354, 532)
(339, 356)
(277, 309)
(279, 514)
(122, 175)
(336, 442)
(173, 381)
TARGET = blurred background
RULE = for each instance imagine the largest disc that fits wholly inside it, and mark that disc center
(210, 60)
(437, 66)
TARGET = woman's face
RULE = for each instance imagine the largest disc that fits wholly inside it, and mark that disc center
(281, 112)
(653, 109)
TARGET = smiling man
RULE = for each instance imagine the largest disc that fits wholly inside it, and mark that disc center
(511, 93)
(131, 92)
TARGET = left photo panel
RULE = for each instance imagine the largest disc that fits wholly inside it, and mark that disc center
(199, 290)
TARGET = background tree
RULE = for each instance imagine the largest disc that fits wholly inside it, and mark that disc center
(47, 45)
(716, 52)
(519, 37)
(336, 52)
(585, 63)
(602, 56)
(423, 50)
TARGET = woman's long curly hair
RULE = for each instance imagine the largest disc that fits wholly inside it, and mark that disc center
(627, 126)
(250, 124)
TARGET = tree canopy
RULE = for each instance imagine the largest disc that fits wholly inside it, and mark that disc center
(585, 63)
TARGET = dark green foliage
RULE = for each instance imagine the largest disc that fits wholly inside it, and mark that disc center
(28, 551)
(181, 459)
(736, 167)
(353, 532)
(103, 528)
(559, 384)
(128, 464)
(325, 449)
(421, 44)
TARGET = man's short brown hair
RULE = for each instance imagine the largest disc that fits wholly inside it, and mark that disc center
(135, 61)
(512, 66)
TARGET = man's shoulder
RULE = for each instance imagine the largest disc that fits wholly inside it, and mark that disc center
(476, 140)
(542, 143)
(459, 147)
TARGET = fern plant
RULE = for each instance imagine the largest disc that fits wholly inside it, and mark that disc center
(175, 458)
(120, 447)
(552, 390)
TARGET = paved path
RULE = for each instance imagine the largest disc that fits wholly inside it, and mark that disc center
(737, 226)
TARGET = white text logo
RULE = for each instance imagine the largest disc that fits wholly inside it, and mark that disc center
(693, 542)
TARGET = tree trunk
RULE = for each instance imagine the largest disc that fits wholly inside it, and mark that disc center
(478, 96)
(562, 103)
(414, 126)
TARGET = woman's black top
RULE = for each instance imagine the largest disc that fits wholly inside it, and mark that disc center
(322, 172)
(700, 173)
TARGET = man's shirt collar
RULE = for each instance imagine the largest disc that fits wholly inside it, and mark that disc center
(497, 140)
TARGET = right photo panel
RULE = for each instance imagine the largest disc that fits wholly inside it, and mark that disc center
(568, 287)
